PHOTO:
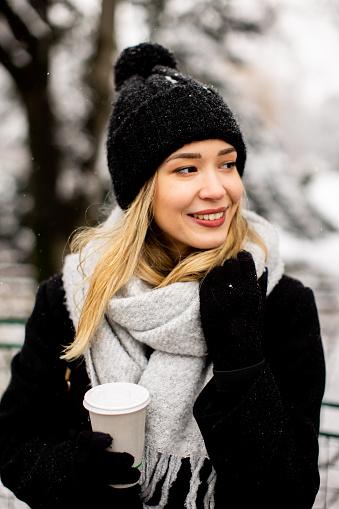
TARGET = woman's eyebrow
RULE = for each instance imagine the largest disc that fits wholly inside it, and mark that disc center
(226, 151)
(184, 155)
(192, 155)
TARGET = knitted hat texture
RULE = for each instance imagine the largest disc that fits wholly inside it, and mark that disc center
(157, 111)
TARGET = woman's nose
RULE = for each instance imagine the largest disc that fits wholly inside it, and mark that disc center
(211, 187)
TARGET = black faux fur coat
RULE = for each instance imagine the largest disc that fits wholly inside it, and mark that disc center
(263, 442)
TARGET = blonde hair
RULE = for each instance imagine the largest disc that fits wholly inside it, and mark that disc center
(132, 248)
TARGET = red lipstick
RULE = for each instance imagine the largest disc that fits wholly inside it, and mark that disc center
(209, 211)
(210, 223)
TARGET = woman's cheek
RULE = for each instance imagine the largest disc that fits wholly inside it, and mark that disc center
(235, 191)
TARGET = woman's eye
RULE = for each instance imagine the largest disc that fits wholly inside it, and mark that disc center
(229, 165)
(185, 170)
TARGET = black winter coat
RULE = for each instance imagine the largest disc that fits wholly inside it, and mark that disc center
(263, 442)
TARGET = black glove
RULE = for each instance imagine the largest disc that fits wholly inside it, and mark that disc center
(94, 469)
(232, 307)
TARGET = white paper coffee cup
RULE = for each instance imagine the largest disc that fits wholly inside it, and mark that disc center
(120, 409)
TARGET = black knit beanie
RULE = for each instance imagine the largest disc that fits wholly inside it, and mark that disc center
(157, 111)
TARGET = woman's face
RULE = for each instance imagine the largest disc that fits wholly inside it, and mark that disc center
(198, 190)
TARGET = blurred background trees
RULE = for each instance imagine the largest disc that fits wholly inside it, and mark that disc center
(56, 82)
(53, 55)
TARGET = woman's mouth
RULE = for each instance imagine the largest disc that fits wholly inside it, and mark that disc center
(209, 219)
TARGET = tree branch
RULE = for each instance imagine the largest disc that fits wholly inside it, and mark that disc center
(40, 6)
(7, 62)
(18, 27)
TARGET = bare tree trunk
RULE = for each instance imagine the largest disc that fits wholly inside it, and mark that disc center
(101, 75)
(52, 218)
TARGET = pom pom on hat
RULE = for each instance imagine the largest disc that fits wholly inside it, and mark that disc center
(140, 60)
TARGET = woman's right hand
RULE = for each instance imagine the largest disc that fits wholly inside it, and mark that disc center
(95, 469)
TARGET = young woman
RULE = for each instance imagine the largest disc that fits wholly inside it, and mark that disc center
(181, 291)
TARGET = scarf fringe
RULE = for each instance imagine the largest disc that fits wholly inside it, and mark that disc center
(164, 467)
(209, 497)
(196, 466)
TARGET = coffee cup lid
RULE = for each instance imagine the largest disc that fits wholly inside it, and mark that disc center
(116, 398)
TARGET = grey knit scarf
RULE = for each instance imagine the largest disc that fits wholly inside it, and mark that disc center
(168, 321)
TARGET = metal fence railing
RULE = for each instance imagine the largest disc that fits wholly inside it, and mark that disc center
(328, 496)
(11, 337)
